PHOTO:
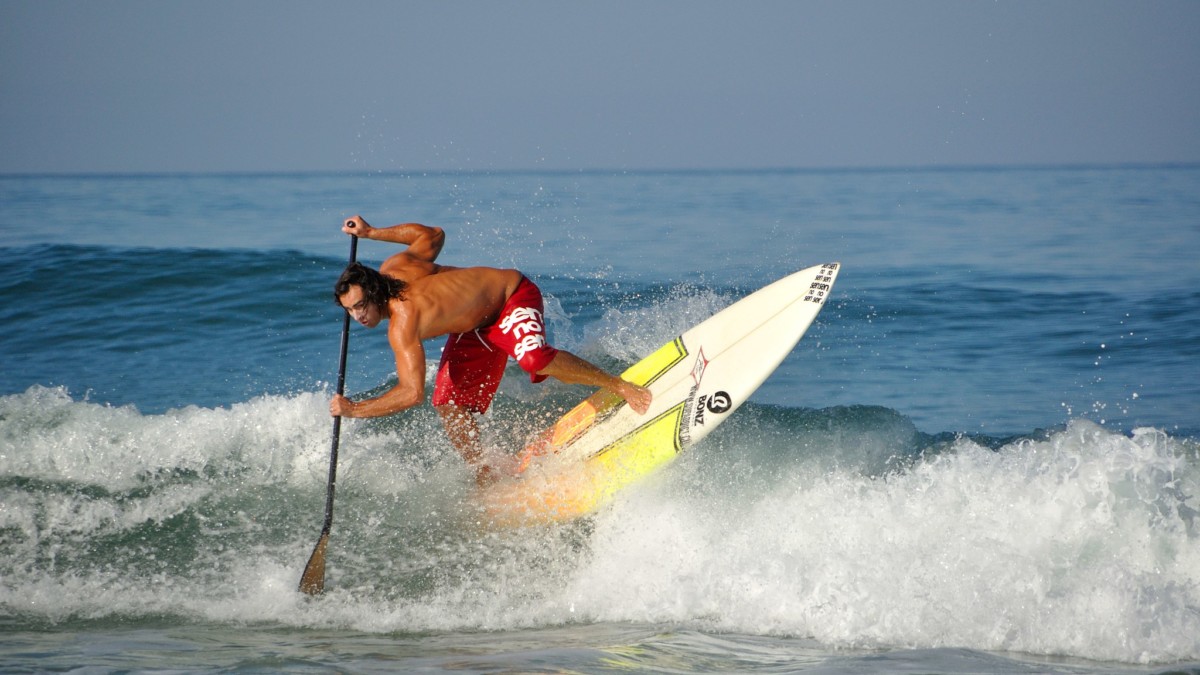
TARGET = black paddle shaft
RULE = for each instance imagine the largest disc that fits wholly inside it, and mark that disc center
(337, 421)
(312, 581)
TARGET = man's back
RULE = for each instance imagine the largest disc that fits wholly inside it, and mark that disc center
(456, 299)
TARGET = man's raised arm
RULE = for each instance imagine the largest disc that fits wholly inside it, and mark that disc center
(424, 243)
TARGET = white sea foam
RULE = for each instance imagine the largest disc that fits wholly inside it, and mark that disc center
(1083, 543)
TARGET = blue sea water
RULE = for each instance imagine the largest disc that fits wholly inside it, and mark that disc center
(983, 457)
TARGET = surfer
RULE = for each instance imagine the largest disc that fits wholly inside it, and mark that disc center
(489, 314)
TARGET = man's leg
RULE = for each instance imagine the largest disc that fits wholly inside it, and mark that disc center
(463, 431)
(521, 330)
(571, 369)
(467, 378)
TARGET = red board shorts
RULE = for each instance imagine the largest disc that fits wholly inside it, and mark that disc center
(473, 363)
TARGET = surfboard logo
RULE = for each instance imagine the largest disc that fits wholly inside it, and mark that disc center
(716, 403)
(719, 402)
(821, 284)
(698, 369)
(693, 414)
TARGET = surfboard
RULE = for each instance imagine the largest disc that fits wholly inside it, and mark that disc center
(698, 380)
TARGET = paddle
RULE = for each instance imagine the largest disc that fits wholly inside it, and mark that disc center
(313, 580)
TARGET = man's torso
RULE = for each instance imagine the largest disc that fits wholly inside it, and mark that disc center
(455, 300)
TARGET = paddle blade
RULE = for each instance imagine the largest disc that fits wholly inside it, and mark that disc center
(313, 580)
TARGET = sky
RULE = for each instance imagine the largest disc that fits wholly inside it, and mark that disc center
(146, 86)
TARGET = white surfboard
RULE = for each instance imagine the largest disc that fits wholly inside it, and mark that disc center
(698, 380)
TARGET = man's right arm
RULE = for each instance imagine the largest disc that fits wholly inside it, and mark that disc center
(424, 243)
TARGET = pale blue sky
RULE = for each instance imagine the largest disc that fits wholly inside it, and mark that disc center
(254, 85)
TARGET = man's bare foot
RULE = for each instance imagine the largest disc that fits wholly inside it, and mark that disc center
(485, 475)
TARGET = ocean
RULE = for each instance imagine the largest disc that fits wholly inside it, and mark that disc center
(983, 457)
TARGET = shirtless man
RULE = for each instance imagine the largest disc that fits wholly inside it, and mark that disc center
(489, 315)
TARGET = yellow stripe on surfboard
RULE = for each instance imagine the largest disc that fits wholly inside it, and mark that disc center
(586, 414)
(583, 487)
(649, 369)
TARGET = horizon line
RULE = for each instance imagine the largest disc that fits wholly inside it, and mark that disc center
(1029, 166)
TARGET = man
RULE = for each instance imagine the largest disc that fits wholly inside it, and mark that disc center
(489, 314)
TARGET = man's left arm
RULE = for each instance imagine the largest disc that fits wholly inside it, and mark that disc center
(409, 391)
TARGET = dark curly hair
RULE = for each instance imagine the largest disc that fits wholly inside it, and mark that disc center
(377, 287)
